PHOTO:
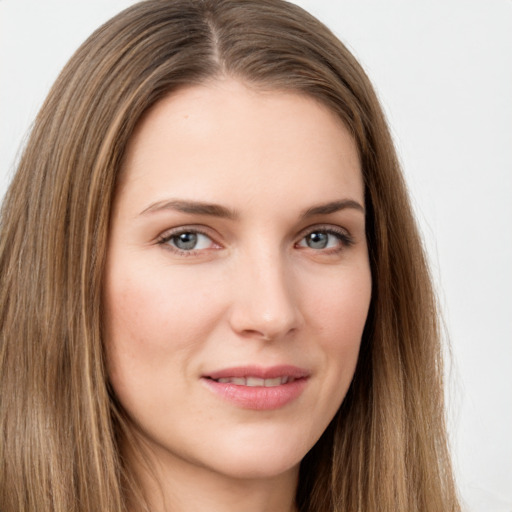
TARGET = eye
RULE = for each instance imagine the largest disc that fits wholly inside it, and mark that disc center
(322, 239)
(188, 240)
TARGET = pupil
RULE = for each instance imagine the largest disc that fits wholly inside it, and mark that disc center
(186, 241)
(317, 240)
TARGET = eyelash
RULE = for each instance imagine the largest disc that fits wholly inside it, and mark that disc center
(343, 237)
(166, 237)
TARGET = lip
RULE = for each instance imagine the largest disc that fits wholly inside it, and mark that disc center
(258, 398)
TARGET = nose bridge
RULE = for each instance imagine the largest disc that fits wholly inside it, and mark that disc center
(266, 303)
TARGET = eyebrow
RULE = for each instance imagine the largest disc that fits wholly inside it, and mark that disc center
(193, 207)
(332, 207)
(216, 210)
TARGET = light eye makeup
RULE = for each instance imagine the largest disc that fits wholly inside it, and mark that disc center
(187, 241)
(328, 239)
(191, 240)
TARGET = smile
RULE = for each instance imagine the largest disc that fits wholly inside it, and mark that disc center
(255, 381)
(258, 388)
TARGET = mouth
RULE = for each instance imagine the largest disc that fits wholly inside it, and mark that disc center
(258, 388)
(254, 382)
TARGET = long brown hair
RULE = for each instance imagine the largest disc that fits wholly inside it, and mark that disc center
(386, 447)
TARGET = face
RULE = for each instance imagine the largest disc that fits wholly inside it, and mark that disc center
(237, 280)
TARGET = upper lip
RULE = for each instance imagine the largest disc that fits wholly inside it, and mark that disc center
(261, 372)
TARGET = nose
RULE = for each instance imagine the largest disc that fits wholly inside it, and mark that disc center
(266, 304)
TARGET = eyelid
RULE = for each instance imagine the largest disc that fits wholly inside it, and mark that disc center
(334, 228)
(346, 239)
(168, 234)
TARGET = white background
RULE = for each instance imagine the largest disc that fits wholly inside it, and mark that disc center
(443, 70)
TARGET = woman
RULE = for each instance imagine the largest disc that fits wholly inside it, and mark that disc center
(213, 290)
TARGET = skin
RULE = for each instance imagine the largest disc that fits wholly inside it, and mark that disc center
(258, 288)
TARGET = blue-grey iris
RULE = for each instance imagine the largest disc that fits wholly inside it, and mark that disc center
(185, 241)
(317, 240)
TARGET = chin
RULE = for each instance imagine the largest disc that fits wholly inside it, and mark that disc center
(261, 458)
(259, 467)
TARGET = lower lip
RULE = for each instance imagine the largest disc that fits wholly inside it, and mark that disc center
(258, 398)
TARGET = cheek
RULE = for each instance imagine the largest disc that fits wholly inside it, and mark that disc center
(339, 309)
(155, 310)
(152, 326)
(338, 316)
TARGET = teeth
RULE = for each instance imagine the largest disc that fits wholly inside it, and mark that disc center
(255, 381)
(272, 382)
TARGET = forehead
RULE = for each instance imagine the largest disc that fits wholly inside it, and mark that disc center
(226, 138)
